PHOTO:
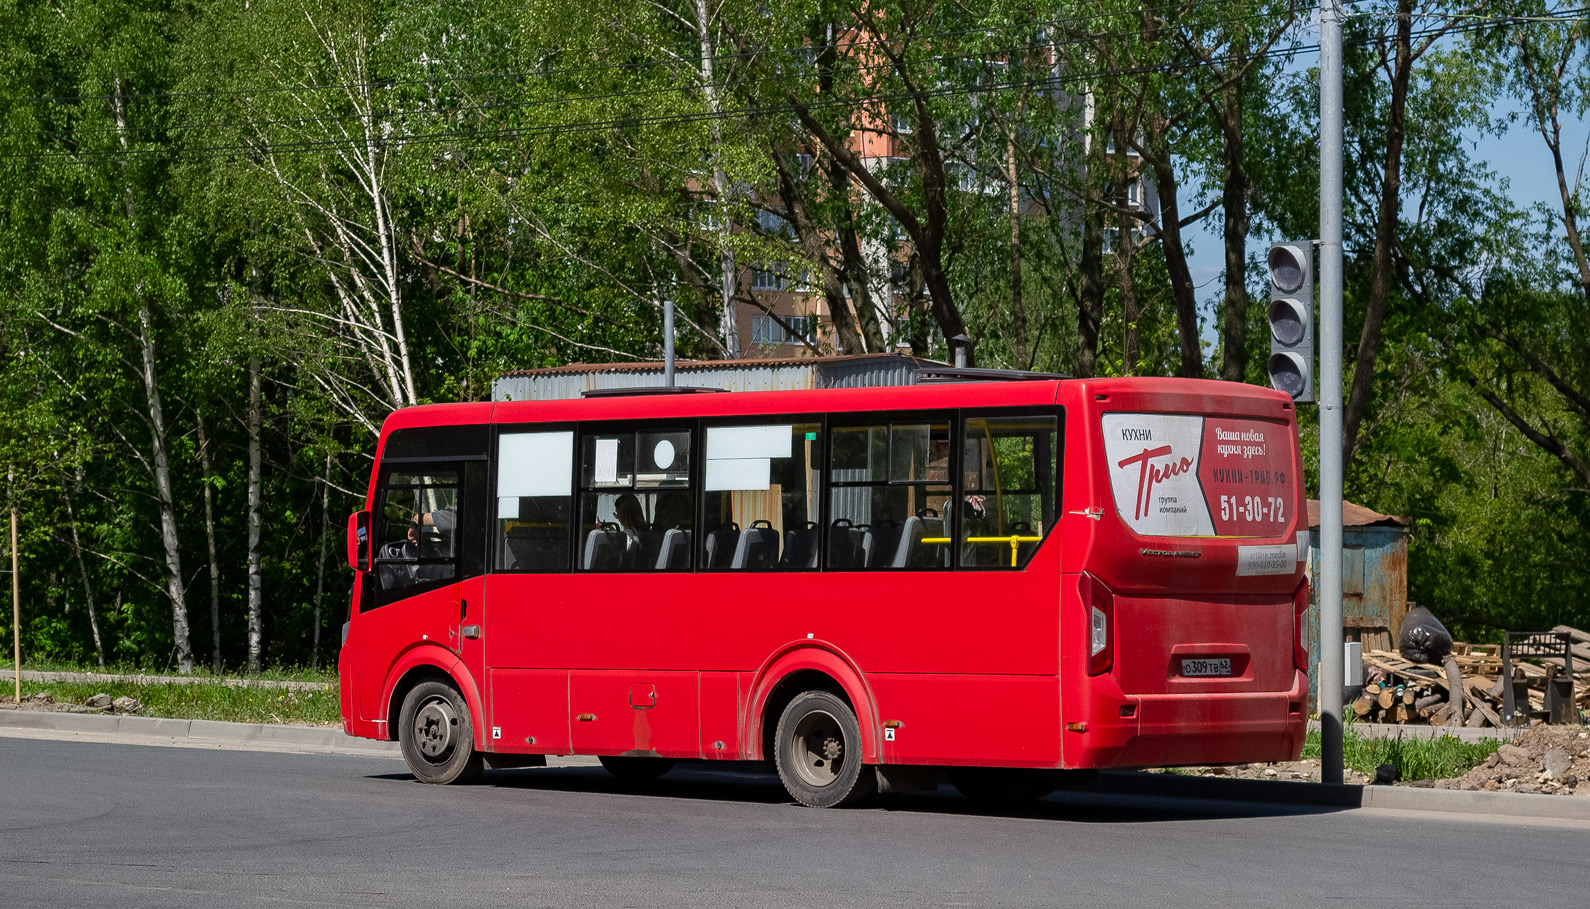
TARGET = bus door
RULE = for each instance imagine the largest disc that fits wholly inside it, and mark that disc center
(426, 582)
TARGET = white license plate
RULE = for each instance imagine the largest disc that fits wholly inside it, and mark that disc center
(1220, 666)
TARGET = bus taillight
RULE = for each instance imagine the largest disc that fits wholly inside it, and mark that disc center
(1101, 623)
(1300, 640)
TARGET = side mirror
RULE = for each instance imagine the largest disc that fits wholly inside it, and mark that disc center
(359, 541)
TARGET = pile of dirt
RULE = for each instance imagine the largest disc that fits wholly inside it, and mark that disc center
(1552, 760)
(99, 703)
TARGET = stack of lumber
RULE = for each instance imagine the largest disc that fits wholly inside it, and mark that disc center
(1399, 691)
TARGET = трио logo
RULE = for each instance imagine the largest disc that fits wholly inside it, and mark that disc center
(1149, 474)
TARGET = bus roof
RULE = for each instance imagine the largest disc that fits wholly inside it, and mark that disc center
(1152, 393)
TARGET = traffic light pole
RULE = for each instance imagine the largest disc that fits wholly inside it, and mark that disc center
(1331, 658)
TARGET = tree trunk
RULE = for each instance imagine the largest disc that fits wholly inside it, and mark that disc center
(1385, 238)
(1090, 290)
(255, 523)
(88, 588)
(1158, 156)
(720, 183)
(1125, 255)
(320, 564)
(209, 539)
(926, 233)
(847, 334)
(163, 496)
(1544, 79)
(1018, 315)
(1234, 314)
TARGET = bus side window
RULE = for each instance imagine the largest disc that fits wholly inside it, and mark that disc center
(637, 510)
(535, 495)
(417, 537)
(1008, 489)
(890, 496)
(762, 495)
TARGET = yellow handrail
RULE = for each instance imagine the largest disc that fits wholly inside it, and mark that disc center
(1014, 541)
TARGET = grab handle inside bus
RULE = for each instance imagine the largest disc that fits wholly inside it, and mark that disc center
(359, 541)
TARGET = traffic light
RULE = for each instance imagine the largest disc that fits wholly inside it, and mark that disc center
(1291, 271)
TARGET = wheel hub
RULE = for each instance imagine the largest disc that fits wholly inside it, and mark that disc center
(819, 749)
(434, 729)
(832, 748)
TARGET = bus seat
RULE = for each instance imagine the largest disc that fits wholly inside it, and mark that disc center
(721, 544)
(538, 549)
(604, 550)
(650, 546)
(675, 552)
(844, 550)
(912, 552)
(878, 544)
(800, 548)
(757, 548)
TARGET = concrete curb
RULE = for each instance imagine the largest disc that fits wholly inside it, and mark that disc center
(1397, 798)
(206, 730)
(106, 678)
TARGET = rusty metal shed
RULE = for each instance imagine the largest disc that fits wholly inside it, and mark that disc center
(1374, 580)
(781, 374)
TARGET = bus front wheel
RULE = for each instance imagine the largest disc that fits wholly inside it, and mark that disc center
(817, 748)
(437, 736)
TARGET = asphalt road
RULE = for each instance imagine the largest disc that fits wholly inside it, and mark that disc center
(128, 826)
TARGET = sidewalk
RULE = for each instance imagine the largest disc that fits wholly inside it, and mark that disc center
(143, 730)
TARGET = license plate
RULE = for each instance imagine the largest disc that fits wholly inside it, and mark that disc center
(1220, 666)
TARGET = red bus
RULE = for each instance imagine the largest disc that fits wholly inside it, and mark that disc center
(862, 586)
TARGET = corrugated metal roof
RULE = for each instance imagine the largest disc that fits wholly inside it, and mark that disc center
(1356, 516)
(688, 365)
(771, 374)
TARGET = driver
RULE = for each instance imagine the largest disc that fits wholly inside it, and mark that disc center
(443, 519)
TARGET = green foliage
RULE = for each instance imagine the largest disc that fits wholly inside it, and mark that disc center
(206, 700)
(1416, 758)
(387, 204)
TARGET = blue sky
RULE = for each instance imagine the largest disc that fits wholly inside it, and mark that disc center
(1519, 156)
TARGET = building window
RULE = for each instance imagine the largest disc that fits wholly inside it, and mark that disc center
(768, 278)
(767, 330)
(774, 224)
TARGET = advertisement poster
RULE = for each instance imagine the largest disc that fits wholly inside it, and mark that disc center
(1192, 476)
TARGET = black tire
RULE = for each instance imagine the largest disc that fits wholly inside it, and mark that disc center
(437, 735)
(1003, 787)
(636, 769)
(817, 748)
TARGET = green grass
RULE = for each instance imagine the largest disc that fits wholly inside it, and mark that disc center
(204, 701)
(1439, 758)
(325, 676)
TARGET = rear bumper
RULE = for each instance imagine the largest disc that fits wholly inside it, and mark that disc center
(1180, 730)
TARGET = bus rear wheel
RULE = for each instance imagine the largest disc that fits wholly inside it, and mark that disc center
(817, 748)
(1003, 787)
(437, 736)
(636, 769)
